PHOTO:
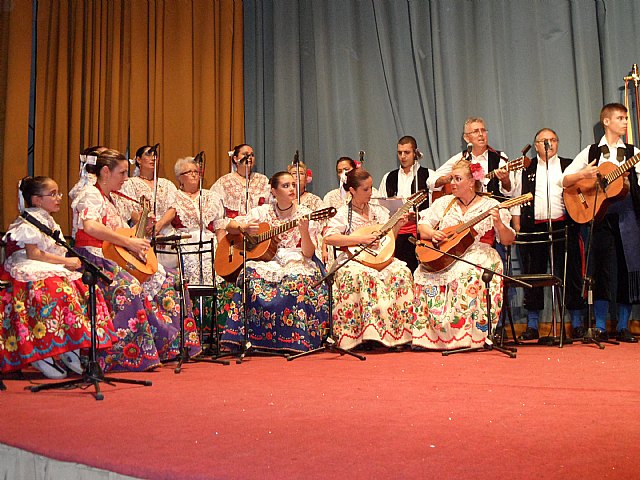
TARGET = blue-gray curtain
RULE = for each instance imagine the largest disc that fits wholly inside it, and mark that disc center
(332, 77)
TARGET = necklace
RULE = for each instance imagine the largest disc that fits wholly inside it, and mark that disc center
(284, 209)
(469, 202)
(357, 208)
(145, 178)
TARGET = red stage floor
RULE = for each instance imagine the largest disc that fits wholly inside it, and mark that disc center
(549, 413)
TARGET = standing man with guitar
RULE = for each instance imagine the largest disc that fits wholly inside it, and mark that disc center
(614, 249)
(534, 218)
(403, 182)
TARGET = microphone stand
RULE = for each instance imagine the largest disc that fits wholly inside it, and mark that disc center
(296, 162)
(329, 341)
(487, 275)
(92, 373)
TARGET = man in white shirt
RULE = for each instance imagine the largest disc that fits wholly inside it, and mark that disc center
(403, 182)
(534, 217)
(614, 249)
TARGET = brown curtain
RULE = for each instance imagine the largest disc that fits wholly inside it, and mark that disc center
(15, 54)
(133, 72)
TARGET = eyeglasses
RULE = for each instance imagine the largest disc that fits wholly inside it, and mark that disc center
(52, 195)
(191, 172)
(550, 140)
(477, 131)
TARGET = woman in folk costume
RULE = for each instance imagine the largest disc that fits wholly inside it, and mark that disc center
(146, 315)
(451, 303)
(370, 304)
(44, 305)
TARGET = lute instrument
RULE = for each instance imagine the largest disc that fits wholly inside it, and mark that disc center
(459, 238)
(382, 254)
(590, 196)
(140, 267)
(260, 246)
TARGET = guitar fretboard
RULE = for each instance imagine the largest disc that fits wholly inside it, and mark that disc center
(507, 204)
(416, 198)
(614, 174)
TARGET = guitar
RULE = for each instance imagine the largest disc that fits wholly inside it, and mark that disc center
(459, 239)
(580, 199)
(261, 246)
(140, 267)
(382, 255)
(511, 166)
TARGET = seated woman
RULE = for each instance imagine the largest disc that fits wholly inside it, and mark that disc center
(284, 313)
(44, 306)
(370, 304)
(146, 315)
(194, 211)
(451, 304)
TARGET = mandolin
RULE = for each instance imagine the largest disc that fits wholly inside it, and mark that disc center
(382, 255)
(511, 166)
(459, 238)
(140, 267)
(590, 196)
(260, 246)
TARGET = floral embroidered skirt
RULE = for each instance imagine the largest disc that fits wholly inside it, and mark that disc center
(453, 314)
(282, 315)
(147, 328)
(43, 318)
(373, 305)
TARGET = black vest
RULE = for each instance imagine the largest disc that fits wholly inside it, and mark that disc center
(634, 189)
(527, 211)
(392, 184)
(493, 162)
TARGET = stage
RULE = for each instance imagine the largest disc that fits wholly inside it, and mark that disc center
(549, 413)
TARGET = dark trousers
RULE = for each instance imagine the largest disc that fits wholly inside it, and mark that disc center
(406, 251)
(610, 274)
(535, 259)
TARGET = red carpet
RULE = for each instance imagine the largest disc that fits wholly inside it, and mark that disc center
(550, 413)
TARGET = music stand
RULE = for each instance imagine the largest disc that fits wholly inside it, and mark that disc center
(92, 374)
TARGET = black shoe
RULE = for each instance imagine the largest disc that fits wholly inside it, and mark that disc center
(578, 332)
(529, 334)
(600, 335)
(624, 335)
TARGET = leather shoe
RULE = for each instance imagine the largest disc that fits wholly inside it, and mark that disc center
(624, 335)
(529, 334)
(601, 335)
(578, 332)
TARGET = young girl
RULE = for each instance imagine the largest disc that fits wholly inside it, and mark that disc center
(44, 308)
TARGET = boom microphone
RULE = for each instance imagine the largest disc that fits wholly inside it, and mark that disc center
(154, 150)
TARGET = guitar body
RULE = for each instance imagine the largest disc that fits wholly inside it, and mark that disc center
(456, 244)
(446, 190)
(142, 270)
(378, 257)
(228, 258)
(580, 199)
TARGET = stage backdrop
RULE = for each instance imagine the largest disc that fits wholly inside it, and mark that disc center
(121, 73)
(334, 77)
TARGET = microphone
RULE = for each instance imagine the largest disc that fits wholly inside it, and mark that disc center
(171, 238)
(547, 145)
(413, 240)
(361, 153)
(55, 234)
(245, 158)
(199, 159)
(296, 158)
(154, 150)
(468, 151)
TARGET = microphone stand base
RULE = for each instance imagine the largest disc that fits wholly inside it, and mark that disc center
(328, 345)
(551, 341)
(486, 347)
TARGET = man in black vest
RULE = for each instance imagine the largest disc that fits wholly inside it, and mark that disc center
(615, 256)
(534, 258)
(403, 182)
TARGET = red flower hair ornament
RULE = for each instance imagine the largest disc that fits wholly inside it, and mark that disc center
(477, 171)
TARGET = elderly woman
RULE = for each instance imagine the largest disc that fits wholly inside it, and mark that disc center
(372, 304)
(451, 302)
(284, 312)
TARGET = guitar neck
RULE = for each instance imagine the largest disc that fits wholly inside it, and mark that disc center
(142, 224)
(272, 232)
(618, 172)
(416, 198)
(506, 204)
(492, 173)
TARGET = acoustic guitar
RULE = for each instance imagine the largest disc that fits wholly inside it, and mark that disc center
(511, 166)
(140, 267)
(261, 246)
(590, 196)
(382, 255)
(459, 239)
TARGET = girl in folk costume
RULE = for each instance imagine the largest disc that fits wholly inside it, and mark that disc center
(284, 313)
(44, 305)
(147, 315)
(370, 304)
(451, 303)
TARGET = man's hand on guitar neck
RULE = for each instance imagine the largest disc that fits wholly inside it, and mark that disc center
(502, 174)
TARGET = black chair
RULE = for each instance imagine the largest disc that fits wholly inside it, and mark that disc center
(538, 280)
